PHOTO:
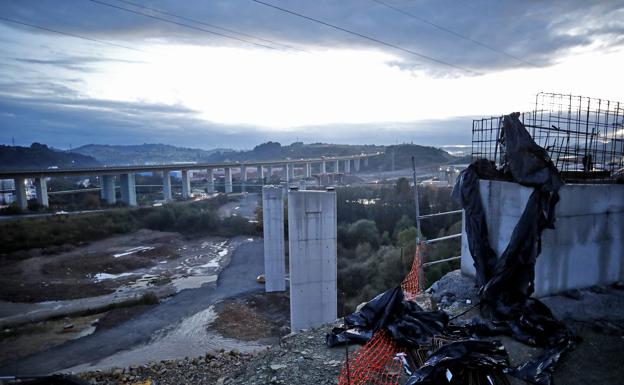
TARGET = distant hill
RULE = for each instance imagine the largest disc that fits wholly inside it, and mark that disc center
(144, 154)
(397, 156)
(41, 156)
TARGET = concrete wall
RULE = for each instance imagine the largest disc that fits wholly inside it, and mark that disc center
(312, 258)
(273, 225)
(587, 246)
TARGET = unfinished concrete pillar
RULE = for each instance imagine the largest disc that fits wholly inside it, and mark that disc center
(166, 182)
(210, 187)
(186, 184)
(228, 180)
(107, 192)
(20, 193)
(312, 258)
(41, 187)
(128, 189)
(273, 225)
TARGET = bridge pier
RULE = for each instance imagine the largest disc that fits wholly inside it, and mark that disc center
(260, 174)
(365, 162)
(186, 184)
(337, 166)
(243, 178)
(107, 192)
(356, 164)
(41, 187)
(323, 169)
(166, 182)
(286, 173)
(273, 225)
(128, 189)
(347, 166)
(20, 193)
(228, 180)
(308, 170)
(210, 187)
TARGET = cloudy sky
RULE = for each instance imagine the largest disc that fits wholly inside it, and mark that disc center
(234, 73)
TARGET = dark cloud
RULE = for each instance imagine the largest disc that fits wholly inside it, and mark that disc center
(536, 31)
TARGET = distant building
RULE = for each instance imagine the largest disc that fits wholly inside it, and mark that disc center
(7, 191)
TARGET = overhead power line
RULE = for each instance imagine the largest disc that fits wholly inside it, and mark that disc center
(180, 24)
(209, 25)
(451, 32)
(70, 34)
(373, 39)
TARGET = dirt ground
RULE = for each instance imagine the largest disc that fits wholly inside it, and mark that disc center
(254, 317)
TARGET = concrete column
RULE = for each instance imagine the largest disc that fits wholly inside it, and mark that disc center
(228, 180)
(20, 193)
(312, 258)
(166, 182)
(42, 191)
(210, 188)
(243, 177)
(337, 166)
(286, 173)
(302, 185)
(365, 162)
(356, 164)
(273, 225)
(347, 166)
(270, 172)
(186, 184)
(308, 170)
(128, 189)
(323, 167)
(260, 174)
(108, 189)
(291, 172)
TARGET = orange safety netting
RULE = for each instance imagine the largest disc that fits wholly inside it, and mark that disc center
(375, 362)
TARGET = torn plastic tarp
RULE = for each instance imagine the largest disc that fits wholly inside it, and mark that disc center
(463, 362)
(407, 322)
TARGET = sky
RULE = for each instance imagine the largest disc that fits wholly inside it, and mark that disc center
(235, 73)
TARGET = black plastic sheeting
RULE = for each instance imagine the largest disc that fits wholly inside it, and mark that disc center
(506, 283)
(463, 362)
(406, 322)
(55, 379)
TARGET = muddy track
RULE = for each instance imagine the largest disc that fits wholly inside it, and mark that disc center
(238, 278)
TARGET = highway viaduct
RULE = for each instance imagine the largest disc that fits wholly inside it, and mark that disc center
(126, 175)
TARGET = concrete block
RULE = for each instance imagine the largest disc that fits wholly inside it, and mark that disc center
(273, 225)
(312, 258)
(586, 247)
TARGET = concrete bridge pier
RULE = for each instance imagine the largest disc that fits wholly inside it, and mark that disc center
(228, 180)
(291, 171)
(186, 184)
(20, 193)
(308, 170)
(210, 187)
(356, 164)
(347, 166)
(270, 172)
(41, 187)
(323, 169)
(312, 229)
(243, 178)
(128, 189)
(337, 166)
(107, 183)
(260, 174)
(365, 162)
(286, 172)
(166, 182)
(273, 225)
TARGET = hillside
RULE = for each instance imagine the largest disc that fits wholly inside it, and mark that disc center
(41, 156)
(144, 154)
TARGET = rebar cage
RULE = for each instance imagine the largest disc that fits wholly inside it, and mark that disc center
(583, 136)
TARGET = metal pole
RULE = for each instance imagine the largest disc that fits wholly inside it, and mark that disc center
(416, 202)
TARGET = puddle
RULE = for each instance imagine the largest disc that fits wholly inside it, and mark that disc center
(104, 276)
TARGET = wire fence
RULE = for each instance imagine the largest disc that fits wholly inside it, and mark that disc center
(583, 136)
